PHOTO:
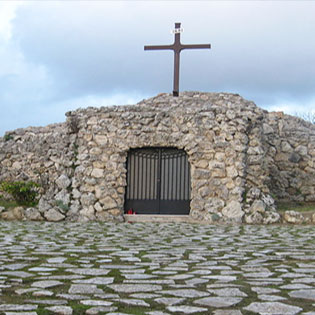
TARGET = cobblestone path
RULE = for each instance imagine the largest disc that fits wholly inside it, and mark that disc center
(156, 269)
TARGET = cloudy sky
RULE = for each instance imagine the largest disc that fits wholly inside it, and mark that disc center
(57, 56)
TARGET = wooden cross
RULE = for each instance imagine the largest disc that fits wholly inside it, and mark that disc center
(177, 47)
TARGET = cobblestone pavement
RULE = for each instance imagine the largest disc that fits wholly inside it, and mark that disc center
(156, 269)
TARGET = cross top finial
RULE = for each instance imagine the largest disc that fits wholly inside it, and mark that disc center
(177, 47)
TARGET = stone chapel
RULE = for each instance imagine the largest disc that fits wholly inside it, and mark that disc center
(214, 157)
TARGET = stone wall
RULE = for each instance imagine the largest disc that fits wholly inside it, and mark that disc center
(239, 155)
(290, 144)
(44, 155)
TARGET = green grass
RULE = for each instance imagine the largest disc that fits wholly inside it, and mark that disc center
(130, 309)
(7, 203)
(296, 206)
(118, 277)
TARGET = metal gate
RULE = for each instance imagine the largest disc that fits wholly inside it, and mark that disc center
(158, 181)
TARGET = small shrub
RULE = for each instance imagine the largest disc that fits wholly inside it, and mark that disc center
(62, 206)
(24, 193)
(308, 116)
(73, 124)
(8, 137)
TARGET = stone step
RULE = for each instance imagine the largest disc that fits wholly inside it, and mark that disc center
(158, 218)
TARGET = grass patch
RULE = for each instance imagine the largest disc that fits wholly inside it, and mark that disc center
(7, 203)
(296, 206)
(41, 310)
(144, 259)
(115, 273)
(131, 309)
(77, 307)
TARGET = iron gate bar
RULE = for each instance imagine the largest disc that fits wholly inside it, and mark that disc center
(155, 182)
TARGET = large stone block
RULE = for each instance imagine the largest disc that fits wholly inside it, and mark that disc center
(108, 203)
(233, 211)
(33, 214)
(63, 181)
(101, 140)
(53, 215)
(293, 217)
(97, 173)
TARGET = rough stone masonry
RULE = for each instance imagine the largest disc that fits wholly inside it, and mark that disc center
(241, 157)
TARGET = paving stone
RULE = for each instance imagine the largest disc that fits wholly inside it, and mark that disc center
(144, 295)
(42, 293)
(261, 290)
(227, 312)
(107, 296)
(295, 286)
(258, 275)
(19, 274)
(228, 292)
(39, 269)
(62, 310)
(294, 275)
(89, 271)
(214, 262)
(164, 273)
(20, 313)
(56, 260)
(195, 281)
(96, 280)
(308, 294)
(169, 282)
(138, 276)
(133, 288)
(181, 286)
(100, 309)
(181, 277)
(201, 272)
(185, 309)
(96, 303)
(267, 297)
(63, 265)
(187, 293)
(84, 289)
(119, 267)
(15, 266)
(46, 284)
(14, 307)
(304, 280)
(169, 301)
(48, 302)
(221, 278)
(72, 297)
(272, 308)
(65, 277)
(24, 291)
(218, 301)
(137, 271)
(134, 302)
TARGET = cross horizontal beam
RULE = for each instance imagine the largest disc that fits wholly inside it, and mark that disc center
(177, 47)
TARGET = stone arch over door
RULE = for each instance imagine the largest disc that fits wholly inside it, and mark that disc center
(158, 181)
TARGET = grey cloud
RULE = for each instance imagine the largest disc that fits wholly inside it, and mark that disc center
(261, 50)
(99, 48)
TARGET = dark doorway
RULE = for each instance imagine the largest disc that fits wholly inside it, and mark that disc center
(158, 181)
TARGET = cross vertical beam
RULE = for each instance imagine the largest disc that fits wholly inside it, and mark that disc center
(177, 47)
